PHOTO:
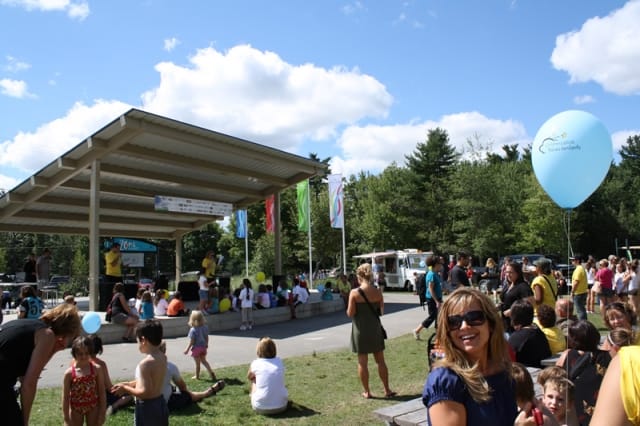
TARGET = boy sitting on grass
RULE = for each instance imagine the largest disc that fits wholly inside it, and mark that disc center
(151, 407)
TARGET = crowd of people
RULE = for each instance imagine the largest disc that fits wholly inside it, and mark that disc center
(483, 346)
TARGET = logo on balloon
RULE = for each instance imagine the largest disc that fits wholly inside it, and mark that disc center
(571, 155)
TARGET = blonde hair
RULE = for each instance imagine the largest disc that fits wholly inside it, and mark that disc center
(490, 263)
(266, 348)
(456, 359)
(364, 272)
(63, 320)
(563, 385)
(551, 372)
(196, 319)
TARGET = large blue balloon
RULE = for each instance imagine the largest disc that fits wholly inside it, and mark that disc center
(571, 155)
(91, 322)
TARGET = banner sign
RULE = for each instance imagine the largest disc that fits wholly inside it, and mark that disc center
(131, 245)
(188, 205)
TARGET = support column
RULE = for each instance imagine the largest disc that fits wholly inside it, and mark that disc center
(178, 258)
(94, 236)
(277, 236)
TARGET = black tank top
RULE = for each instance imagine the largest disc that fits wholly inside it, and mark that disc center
(16, 346)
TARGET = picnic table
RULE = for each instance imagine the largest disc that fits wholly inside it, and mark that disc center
(414, 413)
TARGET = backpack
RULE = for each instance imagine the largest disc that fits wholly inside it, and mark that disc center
(421, 288)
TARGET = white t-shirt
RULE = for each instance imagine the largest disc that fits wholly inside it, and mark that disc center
(172, 375)
(244, 302)
(202, 282)
(302, 293)
(270, 392)
(161, 308)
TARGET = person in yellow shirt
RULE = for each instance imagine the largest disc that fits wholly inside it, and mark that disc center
(579, 287)
(113, 262)
(209, 265)
(547, 322)
(544, 286)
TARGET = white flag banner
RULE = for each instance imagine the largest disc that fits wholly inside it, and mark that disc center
(336, 201)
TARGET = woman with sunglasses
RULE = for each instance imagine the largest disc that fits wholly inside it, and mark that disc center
(472, 384)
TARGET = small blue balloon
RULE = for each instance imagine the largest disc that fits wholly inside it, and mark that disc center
(571, 155)
(91, 322)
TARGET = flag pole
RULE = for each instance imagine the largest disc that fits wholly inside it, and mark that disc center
(344, 251)
(246, 244)
(309, 233)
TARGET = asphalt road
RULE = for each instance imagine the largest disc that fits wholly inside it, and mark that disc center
(304, 336)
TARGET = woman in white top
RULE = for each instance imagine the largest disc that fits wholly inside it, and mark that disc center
(634, 284)
(269, 395)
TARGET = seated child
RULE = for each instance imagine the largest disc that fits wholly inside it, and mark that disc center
(272, 296)
(176, 306)
(160, 303)
(31, 306)
(547, 321)
(151, 407)
(213, 306)
(327, 292)
(268, 392)
(146, 307)
(114, 402)
(263, 300)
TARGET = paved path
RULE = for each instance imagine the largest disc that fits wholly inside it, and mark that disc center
(233, 347)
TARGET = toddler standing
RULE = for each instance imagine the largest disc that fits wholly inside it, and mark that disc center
(199, 342)
(246, 304)
(83, 392)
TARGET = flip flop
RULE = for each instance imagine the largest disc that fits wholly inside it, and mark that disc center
(390, 394)
(218, 386)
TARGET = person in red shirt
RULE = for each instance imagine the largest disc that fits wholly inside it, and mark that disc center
(605, 277)
(176, 307)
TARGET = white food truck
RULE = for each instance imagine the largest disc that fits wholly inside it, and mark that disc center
(398, 266)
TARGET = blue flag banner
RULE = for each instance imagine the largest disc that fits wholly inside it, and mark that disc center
(241, 223)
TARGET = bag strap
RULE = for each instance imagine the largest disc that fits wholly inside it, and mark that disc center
(555, 295)
(364, 296)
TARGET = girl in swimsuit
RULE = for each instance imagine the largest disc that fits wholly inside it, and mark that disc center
(83, 394)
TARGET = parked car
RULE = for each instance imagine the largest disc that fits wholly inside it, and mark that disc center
(57, 280)
(146, 283)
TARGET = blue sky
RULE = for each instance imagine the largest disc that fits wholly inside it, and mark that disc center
(358, 81)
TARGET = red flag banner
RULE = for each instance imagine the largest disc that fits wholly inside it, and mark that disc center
(269, 212)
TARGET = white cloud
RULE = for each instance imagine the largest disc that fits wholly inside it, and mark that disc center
(584, 99)
(374, 147)
(75, 9)
(616, 39)
(7, 183)
(171, 43)
(353, 7)
(15, 65)
(256, 95)
(15, 88)
(56, 137)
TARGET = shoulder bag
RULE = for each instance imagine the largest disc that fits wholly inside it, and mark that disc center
(377, 313)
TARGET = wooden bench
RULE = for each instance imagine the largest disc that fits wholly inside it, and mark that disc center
(414, 413)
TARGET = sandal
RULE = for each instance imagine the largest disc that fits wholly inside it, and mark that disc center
(390, 394)
(217, 387)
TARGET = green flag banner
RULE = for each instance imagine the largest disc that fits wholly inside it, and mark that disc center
(303, 205)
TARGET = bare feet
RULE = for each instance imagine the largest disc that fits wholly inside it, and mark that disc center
(367, 395)
(390, 394)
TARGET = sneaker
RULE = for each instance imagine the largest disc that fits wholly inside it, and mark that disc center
(243, 328)
(110, 410)
(416, 335)
(249, 327)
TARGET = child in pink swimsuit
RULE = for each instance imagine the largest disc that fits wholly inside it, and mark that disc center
(83, 393)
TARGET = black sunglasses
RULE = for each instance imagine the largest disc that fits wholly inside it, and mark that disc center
(472, 318)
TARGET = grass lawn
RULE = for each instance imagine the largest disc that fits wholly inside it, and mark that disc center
(323, 388)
